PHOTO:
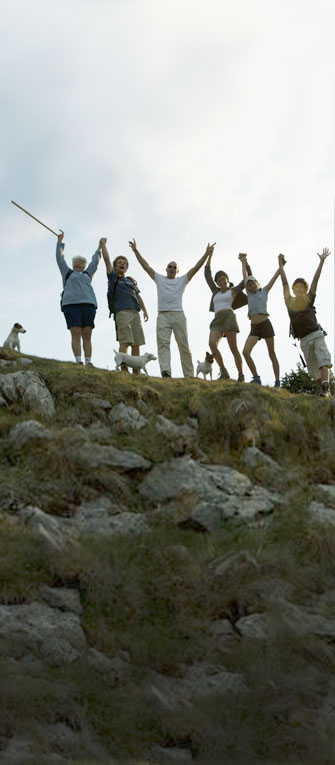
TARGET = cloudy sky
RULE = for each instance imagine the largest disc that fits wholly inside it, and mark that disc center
(177, 122)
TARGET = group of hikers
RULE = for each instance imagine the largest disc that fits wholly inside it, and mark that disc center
(79, 306)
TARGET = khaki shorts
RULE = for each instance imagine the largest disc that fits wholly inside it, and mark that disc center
(316, 353)
(129, 327)
(224, 321)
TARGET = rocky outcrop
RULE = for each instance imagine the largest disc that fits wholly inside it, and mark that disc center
(29, 388)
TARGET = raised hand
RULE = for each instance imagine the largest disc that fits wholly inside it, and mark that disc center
(324, 254)
(242, 256)
(281, 259)
(102, 241)
(132, 245)
(209, 250)
(60, 237)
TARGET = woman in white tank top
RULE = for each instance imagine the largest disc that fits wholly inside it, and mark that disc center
(224, 323)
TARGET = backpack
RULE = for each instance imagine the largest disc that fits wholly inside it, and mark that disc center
(68, 273)
(292, 332)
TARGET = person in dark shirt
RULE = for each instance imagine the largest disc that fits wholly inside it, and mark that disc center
(304, 323)
(126, 302)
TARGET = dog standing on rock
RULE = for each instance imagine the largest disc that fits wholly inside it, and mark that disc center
(12, 341)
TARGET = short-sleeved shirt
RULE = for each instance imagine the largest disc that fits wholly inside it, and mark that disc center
(126, 290)
(301, 313)
(258, 302)
(170, 292)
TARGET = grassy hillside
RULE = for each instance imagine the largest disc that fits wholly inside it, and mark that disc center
(158, 597)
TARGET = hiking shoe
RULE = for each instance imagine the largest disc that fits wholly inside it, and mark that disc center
(277, 384)
(166, 374)
(256, 379)
(224, 374)
(124, 367)
(240, 377)
(325, 392)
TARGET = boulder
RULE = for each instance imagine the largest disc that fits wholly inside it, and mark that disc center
(203, 496)
(94, 455)
(53, 533)
(64, 598)
(25, 432)
(182, 436)
(94, 518)
(37, 629)
(93, 402)
(126, 419)
(30, 389)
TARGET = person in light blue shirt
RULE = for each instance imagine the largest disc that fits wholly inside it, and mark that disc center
(78, 302)
(261, 327)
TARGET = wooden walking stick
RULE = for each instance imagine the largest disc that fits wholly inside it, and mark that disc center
(38, 221)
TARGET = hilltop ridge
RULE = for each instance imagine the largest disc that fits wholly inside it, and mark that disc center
(166, 569)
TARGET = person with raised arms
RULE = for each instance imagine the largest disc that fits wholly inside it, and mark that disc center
(78, 301)
(304, 325)
(225, 299)
(126, 304)
(171, 317)
(260, 324)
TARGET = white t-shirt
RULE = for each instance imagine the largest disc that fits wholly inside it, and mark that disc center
(170, 292)
(223, 300)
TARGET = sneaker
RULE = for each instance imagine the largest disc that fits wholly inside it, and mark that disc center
(224, 374)
(240, 377)
(166, 374)
(325, 392)
(256, 379)
(277, 384)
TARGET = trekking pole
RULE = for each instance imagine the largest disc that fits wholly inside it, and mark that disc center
(38, 221)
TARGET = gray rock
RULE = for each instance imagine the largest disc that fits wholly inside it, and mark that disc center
(184, 436)
(201, 681)
(320, 512)
(115, 670)
(57, 651)
(255, 626)
(94, 455)
(24, 361)
(326, 492)
(65, 598)
(6, 363)
(204, 496)
(25, 432)
(143, 407)
(91, 519)
(24, 629)
(93, 401)
(125, 419)
(254, 457)
(28, 387)
(3, 401)
(171, 755)
(53, 533)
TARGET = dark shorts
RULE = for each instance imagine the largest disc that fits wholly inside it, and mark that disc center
(79, 315)
(262, 330)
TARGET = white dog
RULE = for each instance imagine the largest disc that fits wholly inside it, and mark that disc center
(12, 341)
(205, 366)
(136, 362)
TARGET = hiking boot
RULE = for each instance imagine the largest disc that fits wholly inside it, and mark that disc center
(325, 392)
(256, 379)
(240, 377)
(124, 367)
(166, 374)
(277, 384)
(224, 374)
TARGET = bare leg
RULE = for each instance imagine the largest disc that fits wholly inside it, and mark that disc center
(324, 372)
(87, 343)
(76, 340)
(135, 350)
(249, 345)
(214, 339)
(123, 347)
(271, 348)
(231, 337)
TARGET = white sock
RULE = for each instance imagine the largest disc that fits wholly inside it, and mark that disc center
(78, 359)
(87, 360)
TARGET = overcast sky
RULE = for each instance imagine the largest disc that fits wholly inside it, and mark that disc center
(177, 122)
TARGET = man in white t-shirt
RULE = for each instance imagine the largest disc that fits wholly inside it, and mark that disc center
(171, 317)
